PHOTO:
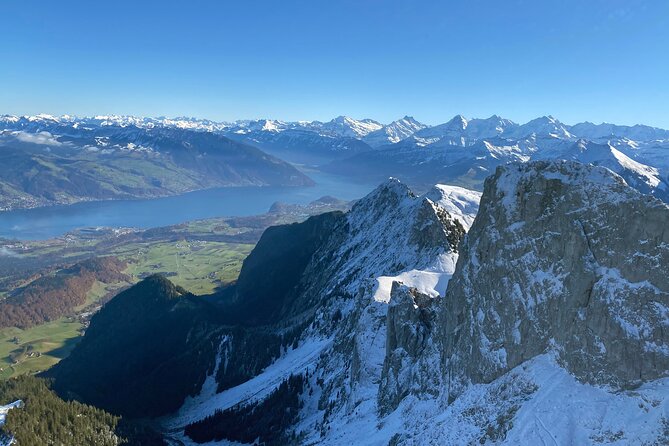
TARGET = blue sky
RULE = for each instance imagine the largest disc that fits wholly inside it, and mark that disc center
(597, 60)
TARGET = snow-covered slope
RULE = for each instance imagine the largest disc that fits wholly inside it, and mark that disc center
(389, 235)
(606, 131)
(392, 229)
(6, 440)
(543, 126)
(463, 131)
(489, 127)
(644, 178)
(394, 132)
(452, 131)
(544, 325)
(345, 126)
(537, 403)
(6, 408)
(459, 202)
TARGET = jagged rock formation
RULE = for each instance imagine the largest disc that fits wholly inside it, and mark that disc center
(552, 296)
(401, 329)
(561, 256)
(389, 235)
(411, 351)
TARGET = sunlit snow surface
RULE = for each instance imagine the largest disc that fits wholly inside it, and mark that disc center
(553, 409)
(6, 441)
(293, 361)
(376, 242)
(5, 409)
(536, 403)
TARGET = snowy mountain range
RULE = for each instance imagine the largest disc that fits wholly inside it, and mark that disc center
(373, 132)
(46, 161)
(530, 313)
(461, 151)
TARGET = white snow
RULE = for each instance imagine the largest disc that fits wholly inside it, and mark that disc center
(431, 283)
(5, 409)
(461, 203)
(349, 127)
(432, 280)
(4, 439)
(538, 403)
(294, 361)
(394, 132)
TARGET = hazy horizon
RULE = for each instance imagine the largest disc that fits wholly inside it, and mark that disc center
(359, 118)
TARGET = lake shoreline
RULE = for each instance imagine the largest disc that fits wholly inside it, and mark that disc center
(43, 223)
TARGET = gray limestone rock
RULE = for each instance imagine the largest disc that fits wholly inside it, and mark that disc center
(411, 364)
(561, 256)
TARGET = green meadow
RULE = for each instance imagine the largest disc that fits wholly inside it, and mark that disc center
(198, 266)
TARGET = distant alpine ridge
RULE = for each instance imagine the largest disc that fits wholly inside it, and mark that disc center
(46, 161)
(66, 159)
(372, 132)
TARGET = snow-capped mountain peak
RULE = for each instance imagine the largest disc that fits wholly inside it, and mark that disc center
(346, 126)
(394, 132)
(452, 130)
(543, 126)
(644, 178)
(458, 121)
(489, 127)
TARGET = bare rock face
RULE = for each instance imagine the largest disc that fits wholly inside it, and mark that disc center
(411, 363)
(562, 256)
(390, 236)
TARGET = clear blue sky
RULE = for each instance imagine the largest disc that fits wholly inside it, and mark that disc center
(598, 60)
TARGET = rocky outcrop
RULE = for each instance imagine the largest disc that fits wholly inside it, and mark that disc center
(411, 364)
(565, 257)
(560, 282)
(391, 236)
(561, 276)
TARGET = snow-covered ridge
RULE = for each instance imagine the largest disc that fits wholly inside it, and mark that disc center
(394, 132)
(390, 235)
(461, 203)
(421, 342)
(346, 126)
(608, 156)
(385, 230)
(471, 129)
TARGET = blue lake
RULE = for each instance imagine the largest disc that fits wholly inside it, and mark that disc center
(42, 223)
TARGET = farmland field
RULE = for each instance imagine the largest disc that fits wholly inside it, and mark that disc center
(198, 266)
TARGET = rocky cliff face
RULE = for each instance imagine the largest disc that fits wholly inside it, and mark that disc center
(560, 291)
(411, 363)
(566, 257)
(408, 324)
(559, 294)
(389, 236)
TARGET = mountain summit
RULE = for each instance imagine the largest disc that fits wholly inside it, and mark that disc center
(412, 321)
